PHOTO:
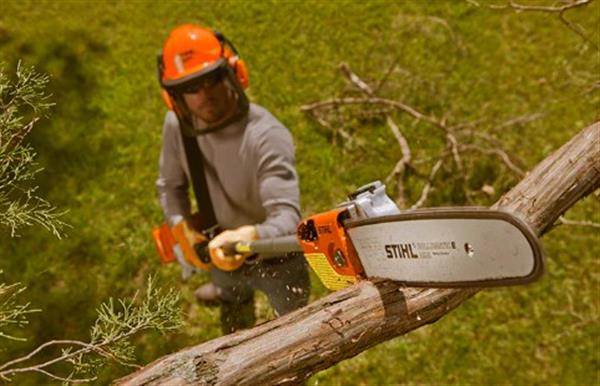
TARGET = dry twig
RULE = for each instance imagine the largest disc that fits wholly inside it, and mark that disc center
(427, 187)
(462, 141)
(404, 163)
(453, 147)
(337, 102)
(561, 9)
(541, 8)
(591, 224)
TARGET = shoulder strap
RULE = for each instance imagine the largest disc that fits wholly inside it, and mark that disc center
(195, 161)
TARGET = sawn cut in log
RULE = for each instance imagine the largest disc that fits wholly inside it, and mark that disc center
(341, 325)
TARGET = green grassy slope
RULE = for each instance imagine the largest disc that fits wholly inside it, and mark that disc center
(100, 154)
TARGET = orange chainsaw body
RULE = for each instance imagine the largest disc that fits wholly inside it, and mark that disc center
(328, 248)
(164, 242)
(186, 236)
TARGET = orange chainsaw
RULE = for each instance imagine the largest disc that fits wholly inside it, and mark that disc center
(367, 236)
(184, 243)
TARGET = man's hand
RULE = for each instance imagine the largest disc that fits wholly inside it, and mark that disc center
(230, 262)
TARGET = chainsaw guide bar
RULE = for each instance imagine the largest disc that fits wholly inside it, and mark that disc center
(448, 247)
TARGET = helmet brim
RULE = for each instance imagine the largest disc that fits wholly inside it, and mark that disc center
(195, 75)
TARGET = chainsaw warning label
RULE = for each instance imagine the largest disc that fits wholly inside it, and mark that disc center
(421, 250)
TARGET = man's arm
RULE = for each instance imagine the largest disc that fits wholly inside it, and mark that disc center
(278, 183)
(172, 183)
(279, 194)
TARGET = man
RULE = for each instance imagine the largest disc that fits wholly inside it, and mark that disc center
(248, 159)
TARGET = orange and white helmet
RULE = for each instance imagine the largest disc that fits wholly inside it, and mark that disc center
(193, 56)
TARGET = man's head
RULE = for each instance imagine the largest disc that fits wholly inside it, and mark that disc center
(211, 100)
(203, 79)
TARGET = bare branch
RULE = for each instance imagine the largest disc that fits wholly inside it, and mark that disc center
(427, 186)
(454, 135)
(364, 87)
(66, 380)
(591, 224)
(446, 25)
(576, 29)
(466, 125)
(520, 120)
(500, 153)
(404, 162)
(335, 132)
(453, 145)
(42, 347)
(541, 8)
(387, 75)
(551, 9)
(335, 102)
(593, 87)
(86, 348)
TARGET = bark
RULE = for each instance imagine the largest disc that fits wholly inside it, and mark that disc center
(343, 324)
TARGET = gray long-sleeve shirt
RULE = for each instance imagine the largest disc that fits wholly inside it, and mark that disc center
(249, 169)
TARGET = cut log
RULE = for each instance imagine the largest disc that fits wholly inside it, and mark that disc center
(341, 325)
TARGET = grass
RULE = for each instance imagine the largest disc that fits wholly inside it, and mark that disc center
(100, 154)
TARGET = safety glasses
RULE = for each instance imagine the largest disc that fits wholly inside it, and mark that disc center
(206, 81)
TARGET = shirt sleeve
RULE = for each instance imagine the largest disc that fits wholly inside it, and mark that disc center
(278, 183)
(172, 182)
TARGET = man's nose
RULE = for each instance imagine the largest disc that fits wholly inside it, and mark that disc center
(201, 94)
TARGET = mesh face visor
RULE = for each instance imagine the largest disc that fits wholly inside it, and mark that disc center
(208, 80)
(220, 71)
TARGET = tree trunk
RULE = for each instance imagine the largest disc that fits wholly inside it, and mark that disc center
(341, 325)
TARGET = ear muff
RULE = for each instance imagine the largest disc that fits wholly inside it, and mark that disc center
(232, 55)
(163, 93)
(241, 72)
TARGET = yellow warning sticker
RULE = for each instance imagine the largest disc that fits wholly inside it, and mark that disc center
(330, 278)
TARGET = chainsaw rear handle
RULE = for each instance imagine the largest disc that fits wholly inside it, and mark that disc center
(277, 246)
(201, 250)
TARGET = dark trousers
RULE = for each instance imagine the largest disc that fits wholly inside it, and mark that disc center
(283, 280)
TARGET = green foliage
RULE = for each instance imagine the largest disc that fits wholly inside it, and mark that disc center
(20, 207)
(158, 311)
(109, 340)
(13, 314)
(100, 155)
(23, 102)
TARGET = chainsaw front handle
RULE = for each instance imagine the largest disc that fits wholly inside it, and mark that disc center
(274, 247)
